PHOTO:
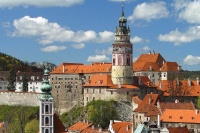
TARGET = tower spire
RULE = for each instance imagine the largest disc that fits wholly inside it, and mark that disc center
(122, 8)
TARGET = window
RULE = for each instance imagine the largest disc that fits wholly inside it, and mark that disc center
(192, 126)
(46, 120)
(93, 98)
(46, 130)
(87, 99)
(46, 109)
(111, 92)
(99, 90)
(128, 62)
(113, 61)
(93, 91)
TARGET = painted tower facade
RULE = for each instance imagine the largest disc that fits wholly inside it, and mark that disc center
(46, 106)
(122, 69)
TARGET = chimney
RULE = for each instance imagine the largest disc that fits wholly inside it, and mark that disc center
(100, 129)
(163, 62)
(93, 127)
(196, 111)
(127, 127)
(119, 84)
(111, 122)
(139, 80)
(197, 80)
(63, 68)
(160, 85)
(158, 121)
(189, 82)
(158, 104)
(177, 81)
(149, 52)
(150, 99)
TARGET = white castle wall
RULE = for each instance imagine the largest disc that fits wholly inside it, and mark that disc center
(14, 98)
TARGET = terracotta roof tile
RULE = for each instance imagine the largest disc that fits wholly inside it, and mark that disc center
(79, 126)
(99, 80)
(145, 66)
(143, 81)
(180, 116)
(146, 104)
(186, 88)
(94, 130)
(115, 86)
(155, 57)
(136, 100)
(169, 66)
(178, 130)
(75, 68)
(122, 127)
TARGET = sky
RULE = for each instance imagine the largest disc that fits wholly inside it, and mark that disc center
(82, 31)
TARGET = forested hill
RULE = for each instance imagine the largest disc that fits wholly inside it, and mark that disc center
(7, 62)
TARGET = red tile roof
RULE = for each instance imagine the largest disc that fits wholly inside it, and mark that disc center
(145, 66)
(136, 100)
(170, 66)
(147, 103)
(186, 89)
(94, 130)
(99, 80)
(122, 127)
(180, 116)
(154, 57)
(178, 130)
(143, 81)
(75, 68)
(79, 126)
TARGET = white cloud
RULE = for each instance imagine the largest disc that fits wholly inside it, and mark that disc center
(180, 4)
(48, 32)
(78, 46)
(105, 36)
(136, 39)
(146, 48)
(53, 48)
(107, 51)
(149, 11)
(191, 12)
(98, 58)
(177, 37)
(39, 3)
(121, 0)
(192, 60)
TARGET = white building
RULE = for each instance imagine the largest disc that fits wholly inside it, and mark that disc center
(34, 81)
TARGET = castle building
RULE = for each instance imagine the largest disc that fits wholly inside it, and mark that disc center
(46, 107)
(122, 70)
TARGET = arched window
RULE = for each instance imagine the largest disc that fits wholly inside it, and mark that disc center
(46, 130)
(47, 121)
(46, 109)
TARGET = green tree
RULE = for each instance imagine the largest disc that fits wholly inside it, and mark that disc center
(32, 126)
(101, 112)
(11, 80)
(25, 83)
(198, 103)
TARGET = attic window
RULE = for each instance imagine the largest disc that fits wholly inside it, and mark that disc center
(181, 117)
(192, 118)
(170, 117)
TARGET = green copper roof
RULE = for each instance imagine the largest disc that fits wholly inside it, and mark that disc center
(46, 87)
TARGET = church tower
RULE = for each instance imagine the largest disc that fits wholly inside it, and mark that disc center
(46, 106)
(122, 70)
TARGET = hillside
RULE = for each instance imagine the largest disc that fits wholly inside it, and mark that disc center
(7, 62)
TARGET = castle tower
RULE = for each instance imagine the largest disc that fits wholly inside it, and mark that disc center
(122, 70)
(46, 106)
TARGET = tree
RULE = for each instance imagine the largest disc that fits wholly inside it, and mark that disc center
(101, 112)
(32, 126)
(11, 80)
(25, 83)
(198, 102)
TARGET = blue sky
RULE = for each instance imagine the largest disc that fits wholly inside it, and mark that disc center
(83, 30)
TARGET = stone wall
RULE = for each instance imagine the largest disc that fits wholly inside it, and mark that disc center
(15, 98)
